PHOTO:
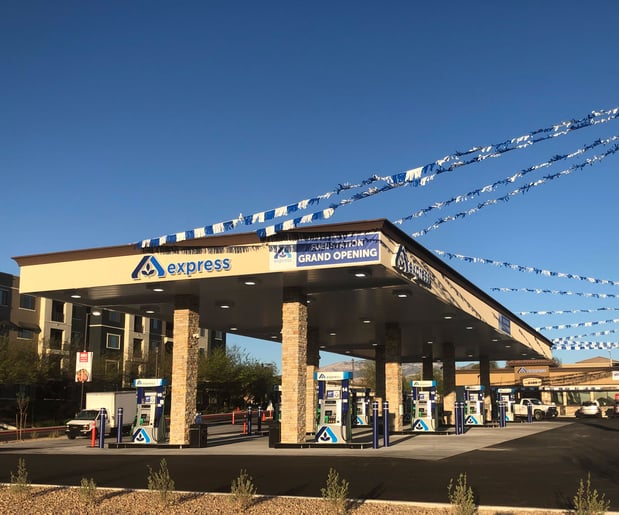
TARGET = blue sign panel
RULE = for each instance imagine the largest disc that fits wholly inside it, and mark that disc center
(339, 250)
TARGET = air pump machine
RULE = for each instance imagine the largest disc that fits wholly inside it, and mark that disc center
(424, 408)
(150, 425)
(474, 405)
(333, 417)
(361, 406)
(508, 396)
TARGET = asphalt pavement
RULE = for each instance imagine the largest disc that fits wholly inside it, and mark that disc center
(537, 465)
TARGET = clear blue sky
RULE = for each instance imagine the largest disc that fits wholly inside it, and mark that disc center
(121, 121)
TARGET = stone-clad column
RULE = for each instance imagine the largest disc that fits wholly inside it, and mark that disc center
(313, 362)
(393, 374)
(294, 363)
(449, 383)
(184, 367)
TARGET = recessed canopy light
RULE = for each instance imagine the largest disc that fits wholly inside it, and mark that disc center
(76, 296)
(469, 355)
(332, 333)
(361, 273)
(250, 281)
(469, 327)
(158, 289)
(95, 312)
(366, 321)
(149, 311)
(224, 304)
(233, 328)
(402, 294)
(323, 346)
(448, 316)
(430, 342)
(508, 346)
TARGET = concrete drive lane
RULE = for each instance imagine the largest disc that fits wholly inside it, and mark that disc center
(523, 465)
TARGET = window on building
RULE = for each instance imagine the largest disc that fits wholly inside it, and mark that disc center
(137, 347)
(57, 311)
(5, 296)
(27, 302)
(111, 366)
(55, 339)
(114, 316)
(113, 341)
(138, 324)
(155, 325)
(25, 334)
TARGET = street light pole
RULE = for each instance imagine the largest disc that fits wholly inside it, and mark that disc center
(95, 312)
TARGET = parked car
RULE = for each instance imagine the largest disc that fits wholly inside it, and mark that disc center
(589, 409)
(613, 411)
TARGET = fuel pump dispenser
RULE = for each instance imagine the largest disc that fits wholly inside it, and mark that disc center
(361, 405)
(508, 396)
(474, 405)
(333, 418)
(150, 424)
(424, 408)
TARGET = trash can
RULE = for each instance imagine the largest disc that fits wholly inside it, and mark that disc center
(274, 434)
(198, 435)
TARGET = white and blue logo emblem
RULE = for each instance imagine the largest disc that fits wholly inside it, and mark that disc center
(148, 267)
(141, 436)
(420, 425)
(326, 435)
(471, 421)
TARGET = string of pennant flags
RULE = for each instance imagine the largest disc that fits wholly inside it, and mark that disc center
(566, 311)
(508, 180)
(588, 335)
(419, 176)
(577, 324)
(518, 191)
(558, 292)
(522, 268)
(585, 346)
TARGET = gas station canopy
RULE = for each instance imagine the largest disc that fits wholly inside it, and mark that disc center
(358, 278)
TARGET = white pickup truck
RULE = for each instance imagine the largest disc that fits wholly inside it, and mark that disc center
(539, 410)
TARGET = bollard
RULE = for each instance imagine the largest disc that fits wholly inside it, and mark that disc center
(502, 420)
(260, 415)
(102, 428)
(233, 418)
(119, 425)
(375, 424)
(457, 417)
(529, 413)
(386, 423)
(93, 434)
(249, 420)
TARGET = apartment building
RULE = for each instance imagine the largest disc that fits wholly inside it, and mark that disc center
(124, 346)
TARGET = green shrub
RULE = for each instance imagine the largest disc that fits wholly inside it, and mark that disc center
(243, 490)
(336, 492)
(461, 496)
(587, 501)
(20, 483)
(161, 482)
(88, 491)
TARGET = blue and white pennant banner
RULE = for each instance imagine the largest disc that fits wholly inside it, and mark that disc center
(581, 336)
(529, 269)
(518, 191)
(414, 177)
(508, 180)
(565, 311)
(577, 324)
(558, 292)
(585, 346)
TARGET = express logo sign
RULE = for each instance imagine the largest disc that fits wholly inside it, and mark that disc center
(149, 267)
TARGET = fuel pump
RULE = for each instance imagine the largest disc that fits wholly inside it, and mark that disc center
(474, 405)
(150, 424)
(333, 417)
(424, 408)
(508, 396)
(361, 402)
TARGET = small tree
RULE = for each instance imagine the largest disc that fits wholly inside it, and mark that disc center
(22, 413)
(20, 482)
(336, 492)
(461, 496)
(587, 501)
(161, 482)
(243, 490)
